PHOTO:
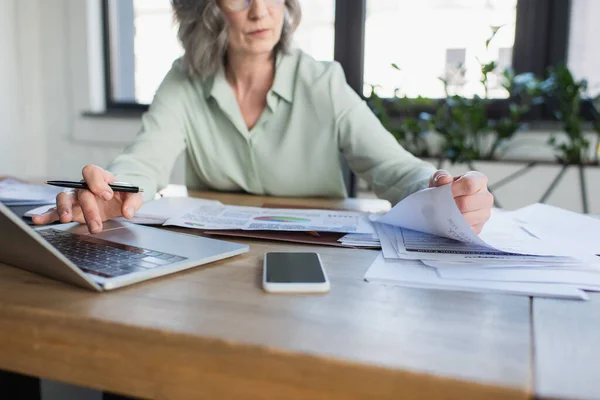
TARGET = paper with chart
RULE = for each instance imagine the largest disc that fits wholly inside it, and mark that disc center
(258, 218)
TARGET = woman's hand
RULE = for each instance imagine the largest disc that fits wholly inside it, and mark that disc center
(92, 206)
(471, 195)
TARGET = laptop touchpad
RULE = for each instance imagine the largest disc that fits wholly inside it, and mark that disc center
(82, 229)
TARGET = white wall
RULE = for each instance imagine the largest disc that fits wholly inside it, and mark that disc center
(81, 139)
(21, 119)
(44, 91)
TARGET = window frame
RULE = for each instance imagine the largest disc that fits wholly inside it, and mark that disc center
(113, 106)
(541, 41)
(348, 13)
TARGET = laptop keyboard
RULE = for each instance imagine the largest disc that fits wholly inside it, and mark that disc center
(103, 258)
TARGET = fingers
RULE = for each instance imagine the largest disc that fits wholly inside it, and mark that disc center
(131, 203)
(64, 206)
(62, 211)
(91, 212)
(97, 180)
(48, 217)
(477, 228)
(470, 194)
(468, 184)
(478, 201)
(439, 178)
(477, 217)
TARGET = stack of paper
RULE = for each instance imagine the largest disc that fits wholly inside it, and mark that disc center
(17, 193)
(366, 240)
(426, 242)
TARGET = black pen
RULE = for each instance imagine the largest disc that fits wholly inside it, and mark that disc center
(115, 186)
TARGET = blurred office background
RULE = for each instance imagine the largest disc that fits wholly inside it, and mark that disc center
(64, 104)
(58, 113)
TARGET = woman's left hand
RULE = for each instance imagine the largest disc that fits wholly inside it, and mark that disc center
(471, 195)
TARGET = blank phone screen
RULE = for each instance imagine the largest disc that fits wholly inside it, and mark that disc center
(294, 268)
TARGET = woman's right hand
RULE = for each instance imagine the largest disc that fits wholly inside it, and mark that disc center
(92, 206)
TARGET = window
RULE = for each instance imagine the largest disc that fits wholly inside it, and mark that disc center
(435, 39)
(143, 44)
(426, 39)
(315, 35)
(583, 58)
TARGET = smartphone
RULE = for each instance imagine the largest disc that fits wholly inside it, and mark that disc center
(294, 273)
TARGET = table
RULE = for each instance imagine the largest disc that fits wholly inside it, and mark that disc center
(211, 332)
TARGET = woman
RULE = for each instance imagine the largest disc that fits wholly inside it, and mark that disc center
(257, 117)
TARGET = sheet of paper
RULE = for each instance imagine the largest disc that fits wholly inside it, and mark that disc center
(419, 242)
(517, 262)
(360, 237)
(38, 210)
(369, 240)
(548, 222)
(157, 212)
(14, 192)
(386, 238)
(429, 247)
(432, 211)
(259, 218)
(154, 212)
(543, 275)
(414, 274)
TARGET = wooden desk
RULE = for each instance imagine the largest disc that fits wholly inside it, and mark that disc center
(212, 333)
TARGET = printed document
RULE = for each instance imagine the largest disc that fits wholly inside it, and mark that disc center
(412, 273)
(433, 211)
(259, 219)
(14, 192)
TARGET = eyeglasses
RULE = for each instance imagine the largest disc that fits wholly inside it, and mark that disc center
(240, 5)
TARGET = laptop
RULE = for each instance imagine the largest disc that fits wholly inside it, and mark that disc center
(122, 254)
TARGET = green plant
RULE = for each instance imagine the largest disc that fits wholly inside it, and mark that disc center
(596, 124)
(464, 124)
(566, 96)
(410, 132)
(461, 122)
(524, 92)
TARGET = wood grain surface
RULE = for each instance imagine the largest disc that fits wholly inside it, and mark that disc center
(212, 332)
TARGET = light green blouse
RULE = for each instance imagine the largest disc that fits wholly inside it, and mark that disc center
(312, 116)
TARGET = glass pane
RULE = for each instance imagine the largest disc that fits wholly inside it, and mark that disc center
(316, 33)
(429, 39)
(143, 53)
(156, 46)
(584, 59)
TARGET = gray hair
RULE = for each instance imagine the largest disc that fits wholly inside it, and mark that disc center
(203, 33)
